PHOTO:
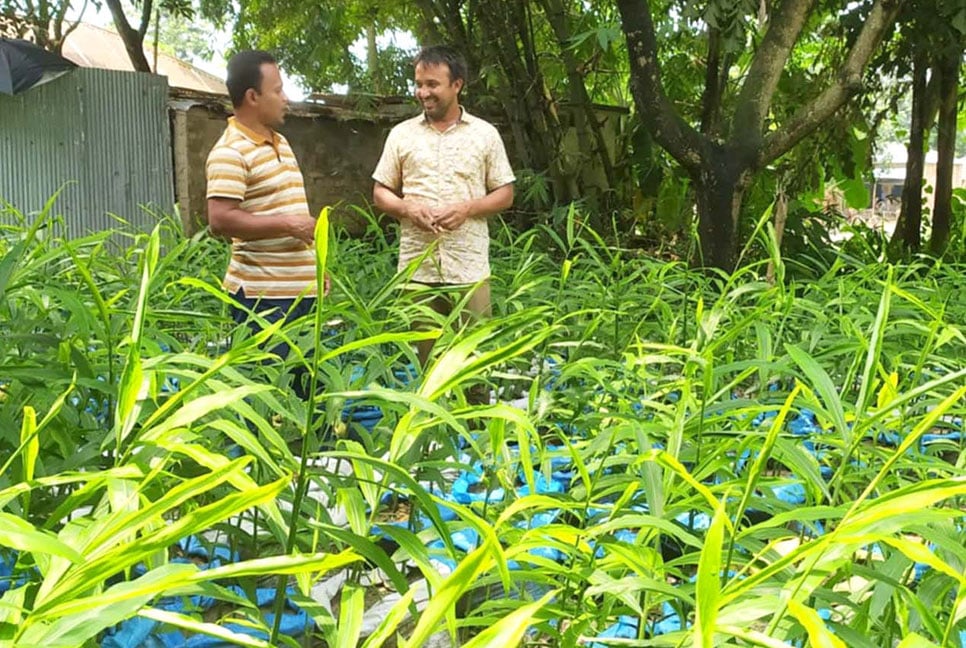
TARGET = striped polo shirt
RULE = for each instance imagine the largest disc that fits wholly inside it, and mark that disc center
(264, 176)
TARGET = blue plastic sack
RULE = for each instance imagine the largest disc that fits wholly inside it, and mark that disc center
(138, 632)
(790, 493)
(927, 440)
(9, 576)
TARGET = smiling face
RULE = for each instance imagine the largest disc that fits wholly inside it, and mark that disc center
(437, 92)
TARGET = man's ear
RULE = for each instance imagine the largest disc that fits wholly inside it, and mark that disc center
(459, 85)
(251, 95)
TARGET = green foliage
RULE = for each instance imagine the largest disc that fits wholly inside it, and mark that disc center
(957, 240)
(313, 41)
(664, 393)
(188, 38)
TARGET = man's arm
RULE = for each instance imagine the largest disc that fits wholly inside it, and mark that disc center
(450, 217)
(227, 220)
(391, 203)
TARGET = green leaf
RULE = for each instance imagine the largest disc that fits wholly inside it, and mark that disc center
(113, 547)
(200, 407)
(274, 565)
(82, 618)
(876, 335)
(351, 611)
(19, 534)
(388, 626)
(914, 640)
(819, 636)
(708, 589)
(443, 602)
(185, 622)
(509, 630)
(351, 500)
(30, 442)
(856, 193)
(820, 381)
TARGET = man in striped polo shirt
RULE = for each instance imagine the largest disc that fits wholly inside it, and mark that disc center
(256, 197)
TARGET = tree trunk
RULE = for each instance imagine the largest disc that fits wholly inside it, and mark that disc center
(585, 118)
(719, 191)
(752, 142)
(715, 78)
(372, 58)
(781, 217)
(946, 136)
(133, 38)
(907, 237)
(530, 112)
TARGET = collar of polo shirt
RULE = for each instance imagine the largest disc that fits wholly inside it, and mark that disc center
(256, 138)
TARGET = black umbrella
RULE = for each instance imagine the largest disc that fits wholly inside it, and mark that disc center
(22, 64)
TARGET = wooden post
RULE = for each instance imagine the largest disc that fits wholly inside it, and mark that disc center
(182, 171)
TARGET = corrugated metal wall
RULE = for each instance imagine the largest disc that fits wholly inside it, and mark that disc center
(104, 132)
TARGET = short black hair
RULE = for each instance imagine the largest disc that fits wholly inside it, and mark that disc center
(244, 72)
(444, 55)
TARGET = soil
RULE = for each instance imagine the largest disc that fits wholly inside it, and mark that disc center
(397, 511)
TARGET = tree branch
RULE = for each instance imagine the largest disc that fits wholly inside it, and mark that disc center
(754, 101)
(133, 40)
(62, 34)
(146, 6)
(932, 99)
(428, 28)
(848, 82)
(669, 129)
(556, 15)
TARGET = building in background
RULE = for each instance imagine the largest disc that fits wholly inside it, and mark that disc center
(96, 47)
(890, 175)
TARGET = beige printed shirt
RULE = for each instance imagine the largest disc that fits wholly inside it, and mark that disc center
(264, 176)
(465, 162)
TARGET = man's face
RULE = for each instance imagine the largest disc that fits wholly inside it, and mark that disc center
(270, 101)
(436, 92)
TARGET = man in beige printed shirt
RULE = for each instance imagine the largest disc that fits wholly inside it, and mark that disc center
(442, 174)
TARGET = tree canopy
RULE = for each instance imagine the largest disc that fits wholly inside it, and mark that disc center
(736, 93)
(734, 104)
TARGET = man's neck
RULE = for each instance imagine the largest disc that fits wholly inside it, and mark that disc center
(252, 124)
(446, 122)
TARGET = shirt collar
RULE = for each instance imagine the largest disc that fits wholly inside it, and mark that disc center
(464, 118)
(256, 138)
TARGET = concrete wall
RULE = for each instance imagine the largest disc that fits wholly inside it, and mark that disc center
(337, 144)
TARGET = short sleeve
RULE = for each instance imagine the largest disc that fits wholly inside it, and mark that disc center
(226, 173)
(389, 169)
(498, 169)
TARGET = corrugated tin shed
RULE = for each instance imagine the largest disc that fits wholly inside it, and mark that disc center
(104, 134)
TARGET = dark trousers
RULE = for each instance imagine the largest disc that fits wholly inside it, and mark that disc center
(273, 310)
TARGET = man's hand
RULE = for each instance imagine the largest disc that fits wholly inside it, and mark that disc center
(302, 228)
(422, 216)
(450, 217)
